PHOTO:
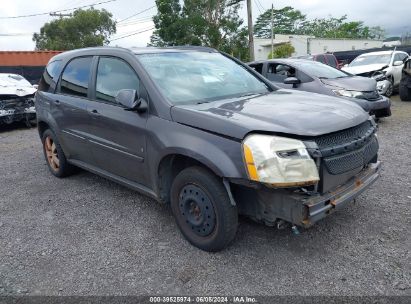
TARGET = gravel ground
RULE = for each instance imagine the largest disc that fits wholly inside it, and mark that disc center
(84, 235)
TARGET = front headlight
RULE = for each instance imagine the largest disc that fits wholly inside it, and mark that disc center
(278, 161)
(346, 93)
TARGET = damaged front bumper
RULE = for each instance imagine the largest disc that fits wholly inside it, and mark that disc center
(301, 208)
(319, 207)
(20, 109)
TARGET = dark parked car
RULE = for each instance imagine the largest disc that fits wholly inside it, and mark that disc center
(16, 100)
(405, 84)
(311, 76)
(199, 130)
(327, 58)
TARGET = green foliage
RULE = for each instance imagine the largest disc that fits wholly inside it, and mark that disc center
(213, 23)
(290, 21)
(86, 28)
(282, 51)
(286, 20)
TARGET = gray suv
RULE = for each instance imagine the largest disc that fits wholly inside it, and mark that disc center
(203, 132)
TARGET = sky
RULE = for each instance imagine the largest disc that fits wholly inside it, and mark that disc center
(393, 15)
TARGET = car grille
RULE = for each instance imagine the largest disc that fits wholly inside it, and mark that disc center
(349, 161)
(346, 140)
(348, 149)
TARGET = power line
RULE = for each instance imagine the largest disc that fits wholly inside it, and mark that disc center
(65, 10)
(15, 34)
(262, 7)
(136, 14)
(130, 23)
(256, 4)
(136, 33)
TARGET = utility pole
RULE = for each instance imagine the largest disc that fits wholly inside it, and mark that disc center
(60, 15)
(250, 30)
(272, 30)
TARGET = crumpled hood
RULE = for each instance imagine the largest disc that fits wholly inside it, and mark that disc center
(362, 84)
(282, 111)
(363, 68)
(11, 84)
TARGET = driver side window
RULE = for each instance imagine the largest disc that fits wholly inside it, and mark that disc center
(279, 72)
(113, 75)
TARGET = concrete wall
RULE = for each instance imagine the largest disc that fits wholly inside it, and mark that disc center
(309, 45)
(318, 45)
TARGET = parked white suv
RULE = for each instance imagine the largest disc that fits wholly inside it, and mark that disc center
(385, 67)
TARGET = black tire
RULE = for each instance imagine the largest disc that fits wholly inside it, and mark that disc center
(62, 168)
(390, 89)
(405, 93)
(202, 209)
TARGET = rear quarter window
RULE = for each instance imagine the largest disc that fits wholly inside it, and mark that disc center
(50, 75)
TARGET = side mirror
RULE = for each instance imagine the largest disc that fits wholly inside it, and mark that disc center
(292, 80)
(131, 100)
(36, 86)
(398, 63)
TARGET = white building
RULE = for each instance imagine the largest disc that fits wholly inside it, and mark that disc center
(304, 45)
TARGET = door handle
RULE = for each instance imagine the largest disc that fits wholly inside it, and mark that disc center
(94, 112)
(57, 102)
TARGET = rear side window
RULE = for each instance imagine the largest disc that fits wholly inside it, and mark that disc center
(75, 78)
(113, 75)
(331, 60)
(50, 75)
(320, 58)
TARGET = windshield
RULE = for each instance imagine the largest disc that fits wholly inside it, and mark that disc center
(196, 77)
(371, 59)
(316, 69)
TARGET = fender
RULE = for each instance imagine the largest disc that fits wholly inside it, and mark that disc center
(220, 154)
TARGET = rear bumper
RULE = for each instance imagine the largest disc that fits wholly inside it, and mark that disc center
(321, 206)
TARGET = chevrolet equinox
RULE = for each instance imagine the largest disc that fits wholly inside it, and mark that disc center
(203, 132)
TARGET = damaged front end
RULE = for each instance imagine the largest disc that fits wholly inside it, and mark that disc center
(384, 85)
(17, 108)
(16, 99)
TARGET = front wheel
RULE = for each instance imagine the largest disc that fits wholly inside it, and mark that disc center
(390, 89)
(202, 209)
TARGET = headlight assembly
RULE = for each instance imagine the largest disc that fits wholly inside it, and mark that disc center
(346, 93)
(278, 161)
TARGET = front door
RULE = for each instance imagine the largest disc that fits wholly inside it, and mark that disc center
(117, 136)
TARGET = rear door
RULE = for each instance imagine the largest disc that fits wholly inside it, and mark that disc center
(69, 108)
(118, 136)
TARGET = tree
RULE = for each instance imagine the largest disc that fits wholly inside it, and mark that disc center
(213, 23)
(286, 20)
(283, 51)
(85, 28)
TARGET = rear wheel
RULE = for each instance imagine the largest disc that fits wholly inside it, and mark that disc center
(202, 209)
(56, 160)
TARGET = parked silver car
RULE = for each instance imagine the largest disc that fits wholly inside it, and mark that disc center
(385, 67)
(312, 76)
